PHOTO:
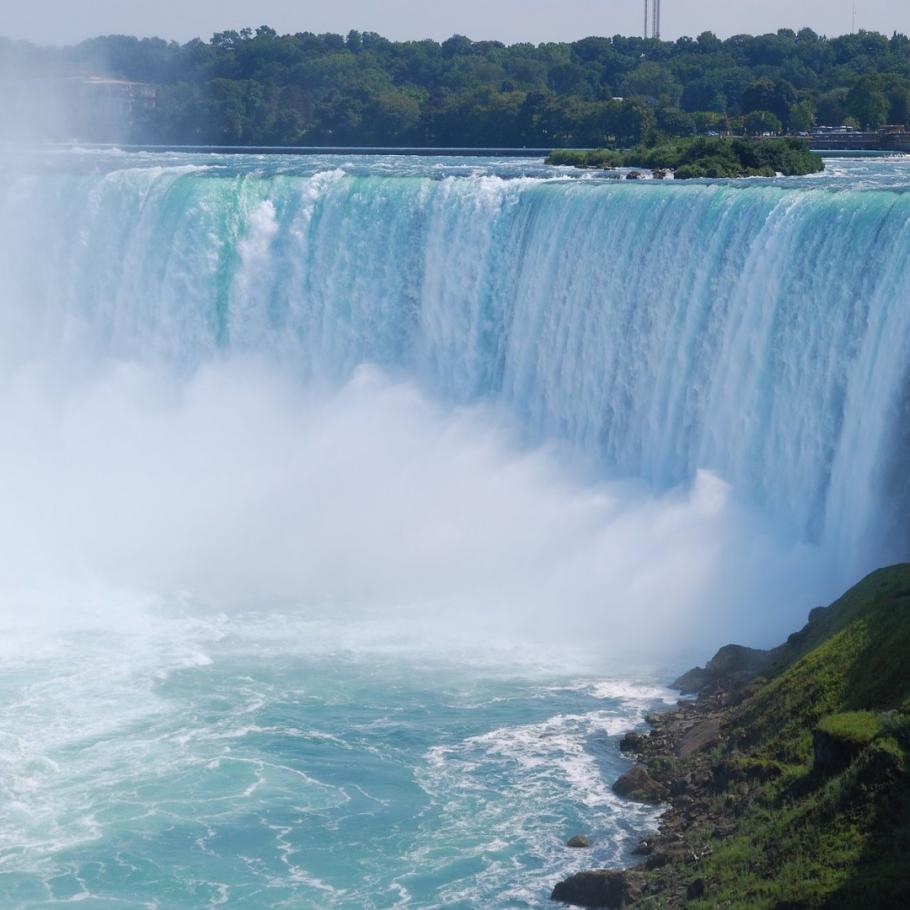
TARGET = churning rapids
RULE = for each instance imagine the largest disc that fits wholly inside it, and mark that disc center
(352, 508)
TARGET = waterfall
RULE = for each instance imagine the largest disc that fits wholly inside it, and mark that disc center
(758, 331)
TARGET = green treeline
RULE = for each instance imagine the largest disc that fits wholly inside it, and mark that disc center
(259, 87)
(704, 157)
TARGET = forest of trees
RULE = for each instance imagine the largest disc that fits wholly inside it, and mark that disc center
(256, 87)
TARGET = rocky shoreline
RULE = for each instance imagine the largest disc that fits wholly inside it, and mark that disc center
(786, 777)
(675, 766)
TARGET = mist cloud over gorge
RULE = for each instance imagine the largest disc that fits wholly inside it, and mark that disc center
(142, 456)
(241, 490)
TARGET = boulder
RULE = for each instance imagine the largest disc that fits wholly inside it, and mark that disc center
(702, 736)
(611, 890)
(632, 742)
(638, 786)
(674, 853)
(680, 785)
(578, 842)
(644, 848)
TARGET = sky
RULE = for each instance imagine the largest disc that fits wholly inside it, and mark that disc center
(68, 21)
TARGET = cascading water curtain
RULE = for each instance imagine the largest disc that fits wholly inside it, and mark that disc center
(756, 331)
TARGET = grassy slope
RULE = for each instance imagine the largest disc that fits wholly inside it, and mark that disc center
(808, 838)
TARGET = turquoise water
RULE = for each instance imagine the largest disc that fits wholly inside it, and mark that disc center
(248, 762)
(353, 508)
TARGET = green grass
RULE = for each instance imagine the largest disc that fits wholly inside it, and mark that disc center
(859, 727)
(805, 838)
(859, 664)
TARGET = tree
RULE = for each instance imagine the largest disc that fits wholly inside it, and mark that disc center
(653, 81)
(868, 103)
(704, 95)
(898, 92)
(776, 96)
(709, 43)
(631, 122)
(671, 121)
(709, 122)
(802, 116)
(226, 120)
(757, 123)
(831, 107)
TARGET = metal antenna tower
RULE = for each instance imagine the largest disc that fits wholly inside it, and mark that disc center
(652, 19)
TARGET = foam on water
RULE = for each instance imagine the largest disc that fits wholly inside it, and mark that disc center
(205, 763)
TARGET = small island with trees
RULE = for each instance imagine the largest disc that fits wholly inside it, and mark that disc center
(704, 157)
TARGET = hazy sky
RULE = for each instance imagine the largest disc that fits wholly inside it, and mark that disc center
(64, 21)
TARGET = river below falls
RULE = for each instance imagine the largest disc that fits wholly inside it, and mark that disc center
(273, 761)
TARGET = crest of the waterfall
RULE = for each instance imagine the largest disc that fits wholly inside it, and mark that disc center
(671, 338)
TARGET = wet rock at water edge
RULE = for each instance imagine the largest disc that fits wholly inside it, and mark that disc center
(578, 842)
(610, 890)
(638, 786)
(632, 742)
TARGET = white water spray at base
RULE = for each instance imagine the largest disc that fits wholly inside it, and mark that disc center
(241, 489)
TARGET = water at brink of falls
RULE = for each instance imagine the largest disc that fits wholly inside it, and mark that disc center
(353, 507)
